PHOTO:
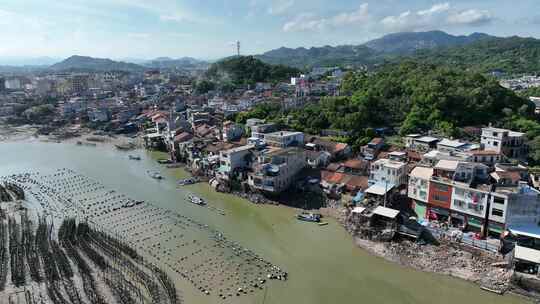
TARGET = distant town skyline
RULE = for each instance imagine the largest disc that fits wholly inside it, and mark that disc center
(140, 29)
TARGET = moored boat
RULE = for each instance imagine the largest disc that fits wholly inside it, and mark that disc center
(154, 175)
(196, 200)
(309, 217)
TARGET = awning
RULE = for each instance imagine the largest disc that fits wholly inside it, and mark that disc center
(526, 230)
(527, 254)
(386, 212)
(380, 188)
(471, 221)
(440, 211)
(496, 229)
(358, 210)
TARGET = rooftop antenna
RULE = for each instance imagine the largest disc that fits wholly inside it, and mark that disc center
(238, 48)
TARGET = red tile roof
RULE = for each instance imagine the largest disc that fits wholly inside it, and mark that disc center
(182, 137)
(484, 152)
(355, 164)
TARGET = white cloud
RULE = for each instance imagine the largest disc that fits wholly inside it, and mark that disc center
(278, 7)
(403, 22)
(361, 15)
(311, 22)
(470, 17)
(305, 22)
(437, 16)
(435, 9)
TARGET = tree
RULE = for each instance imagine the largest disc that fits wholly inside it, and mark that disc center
(204, 86)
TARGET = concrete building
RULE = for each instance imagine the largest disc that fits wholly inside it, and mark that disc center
(419, 179)
(232, 131)
(284, 139)
(79, 83)
(232, 160)
(372, 149)
(420, 143)
(260, 130)
(389, 173)
(486, 157)
(13, 84)
(511, 144)
(450, 146)
(514, 207)
(276, 169)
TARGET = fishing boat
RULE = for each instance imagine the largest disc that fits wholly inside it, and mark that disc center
(134, 157)
(196, 200)
(309, 217)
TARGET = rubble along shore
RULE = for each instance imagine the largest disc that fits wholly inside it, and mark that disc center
(451, 259)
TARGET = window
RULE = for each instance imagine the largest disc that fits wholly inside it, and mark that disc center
(440, 187)
(495, 134)
(459, 203)
(476, 207)
(497, 212)
(498, 200)
(496, 143)
(460, 192)
(440, 198)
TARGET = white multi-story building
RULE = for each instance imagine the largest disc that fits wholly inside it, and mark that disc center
(515, 206)
(277, 169)
(469, 201)
(511, 144)
(284, 139)
(390, 172)
(232, 160)
(419, 183)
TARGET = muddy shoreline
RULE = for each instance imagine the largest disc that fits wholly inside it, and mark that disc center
(456, 260)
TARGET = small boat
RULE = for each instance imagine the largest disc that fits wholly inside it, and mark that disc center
(309, 217)
(196, 200)
(124, 147)
(134, 157)
(155, 175)
(323, 224)
(188, 181)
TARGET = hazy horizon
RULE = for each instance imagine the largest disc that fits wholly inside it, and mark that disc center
(188, 28)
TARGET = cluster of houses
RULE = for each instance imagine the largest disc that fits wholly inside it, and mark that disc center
(480, 187)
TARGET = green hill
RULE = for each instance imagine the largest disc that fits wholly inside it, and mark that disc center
(511, 55)
(247, 70)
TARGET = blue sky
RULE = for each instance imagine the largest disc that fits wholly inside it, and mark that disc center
(208, 28)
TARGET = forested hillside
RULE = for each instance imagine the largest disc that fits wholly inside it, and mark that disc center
(411, 97)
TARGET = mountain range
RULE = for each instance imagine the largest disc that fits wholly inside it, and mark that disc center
(476, 51)
(372, 52)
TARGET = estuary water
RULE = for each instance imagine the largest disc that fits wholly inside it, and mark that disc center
(323, 264)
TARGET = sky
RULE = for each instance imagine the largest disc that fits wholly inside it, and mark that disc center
(208, 29)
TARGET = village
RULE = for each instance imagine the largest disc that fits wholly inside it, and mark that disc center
(410, 199)
(475, 192)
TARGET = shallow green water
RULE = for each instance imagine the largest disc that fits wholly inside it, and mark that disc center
(323, 263)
